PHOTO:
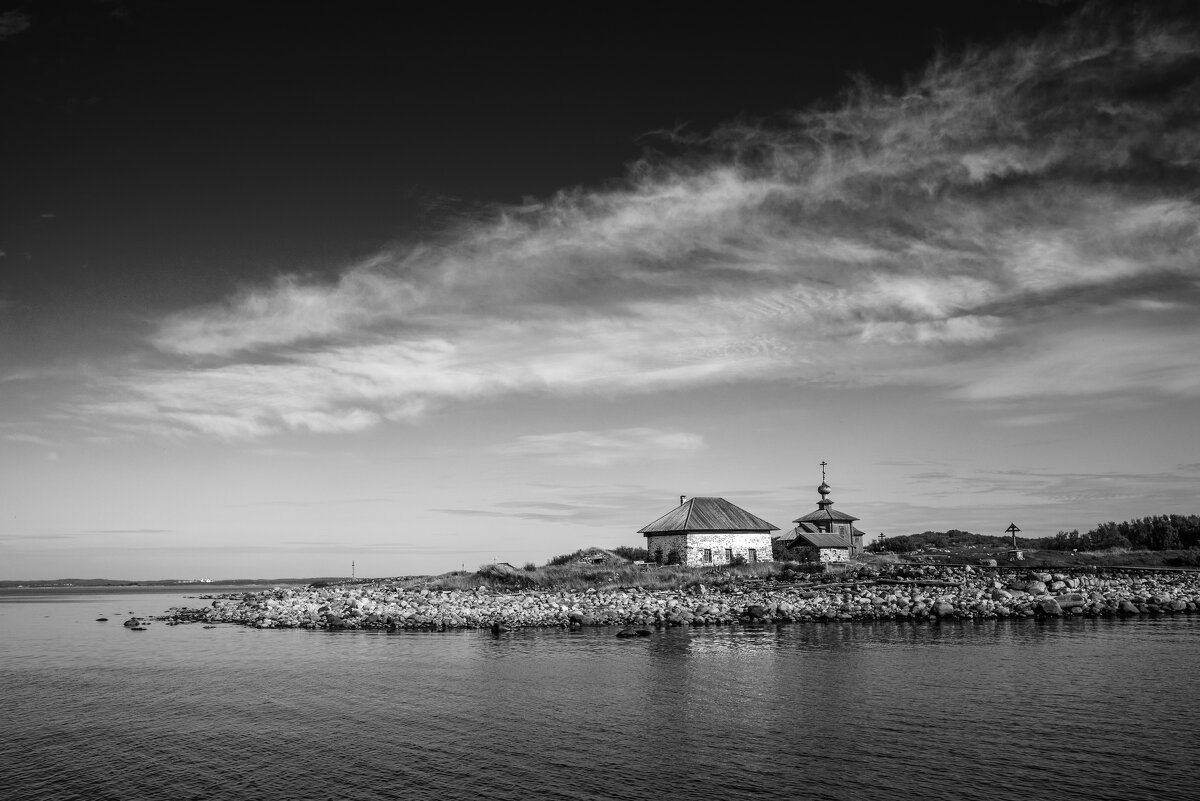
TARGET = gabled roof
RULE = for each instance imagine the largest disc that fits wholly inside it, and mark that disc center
(826, 514)
(707, 514)
(818, 539)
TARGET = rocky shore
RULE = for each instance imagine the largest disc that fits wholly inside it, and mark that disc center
(899, 593)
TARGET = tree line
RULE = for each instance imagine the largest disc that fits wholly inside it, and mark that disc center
(1154, 533)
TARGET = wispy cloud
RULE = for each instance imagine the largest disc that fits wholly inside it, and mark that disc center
(128, 531)
(602, 448)
(13, 23)
(1018, 222)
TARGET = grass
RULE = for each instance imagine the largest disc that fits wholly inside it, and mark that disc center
(1113, 557)
(582, 577)
(576, 577)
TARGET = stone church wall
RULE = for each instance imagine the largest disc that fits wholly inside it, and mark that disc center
(691, 546)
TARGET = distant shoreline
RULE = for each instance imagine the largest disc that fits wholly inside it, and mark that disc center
(54, 584)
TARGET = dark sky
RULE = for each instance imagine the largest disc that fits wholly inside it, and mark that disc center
(163, 153)
(276, 276)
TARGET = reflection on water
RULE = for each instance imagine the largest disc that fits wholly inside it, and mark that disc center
(1001, 709)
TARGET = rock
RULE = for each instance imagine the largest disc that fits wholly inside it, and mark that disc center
(943, 609)
(1035, 587)
(133, 622)
(1071, 600)
(1049, 607)
(1127, 607)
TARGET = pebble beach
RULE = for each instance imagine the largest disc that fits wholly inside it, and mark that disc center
(901, 593)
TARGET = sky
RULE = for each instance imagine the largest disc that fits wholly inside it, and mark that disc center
(296, 289)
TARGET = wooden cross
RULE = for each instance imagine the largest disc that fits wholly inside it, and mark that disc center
(823, 471)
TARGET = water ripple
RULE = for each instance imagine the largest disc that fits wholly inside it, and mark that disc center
(1013, 710)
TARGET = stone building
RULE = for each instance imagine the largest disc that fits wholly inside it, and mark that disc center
(826, 534)
(708, 531)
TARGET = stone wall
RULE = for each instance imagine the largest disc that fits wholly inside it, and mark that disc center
(834, 554)
(667, 543)
(693, 544)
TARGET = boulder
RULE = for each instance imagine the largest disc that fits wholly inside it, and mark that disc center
(755, 612)
(1071, 600)
(943, 609)
(1127, 607)
(1049, 607)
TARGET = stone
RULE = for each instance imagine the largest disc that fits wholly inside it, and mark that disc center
(1049, 607)
(943, 609)
(1127, 607)
(755, 612)
(1035, 587)
(1071, 600)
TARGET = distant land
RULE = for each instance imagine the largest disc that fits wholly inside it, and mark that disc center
(104, 582)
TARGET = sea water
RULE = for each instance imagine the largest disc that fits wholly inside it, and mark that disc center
(1079, 708)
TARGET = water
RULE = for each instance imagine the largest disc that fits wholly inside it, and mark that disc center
(1078, 708)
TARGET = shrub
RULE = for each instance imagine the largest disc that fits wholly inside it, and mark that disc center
(565, 558)
(737, 561)
(632, 554)
(529, 567)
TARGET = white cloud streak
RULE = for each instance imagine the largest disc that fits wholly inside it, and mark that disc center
(603, 448)
(1020, 222)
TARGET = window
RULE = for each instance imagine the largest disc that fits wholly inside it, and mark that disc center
(728, 554)
(753, 555)
(708, 554)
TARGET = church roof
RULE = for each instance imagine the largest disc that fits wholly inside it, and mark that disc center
(818, 539)
(825, 513)
(707, 514)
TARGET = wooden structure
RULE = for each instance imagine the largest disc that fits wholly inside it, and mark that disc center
(1016, 554)
(708, 531)
(826, 533)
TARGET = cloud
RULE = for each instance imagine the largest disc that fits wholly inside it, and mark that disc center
(31, 439)
(13, 23)
(1019, 222)
(129, 531)
(603, 448)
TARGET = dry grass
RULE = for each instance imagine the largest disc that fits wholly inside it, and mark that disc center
(578, 578)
